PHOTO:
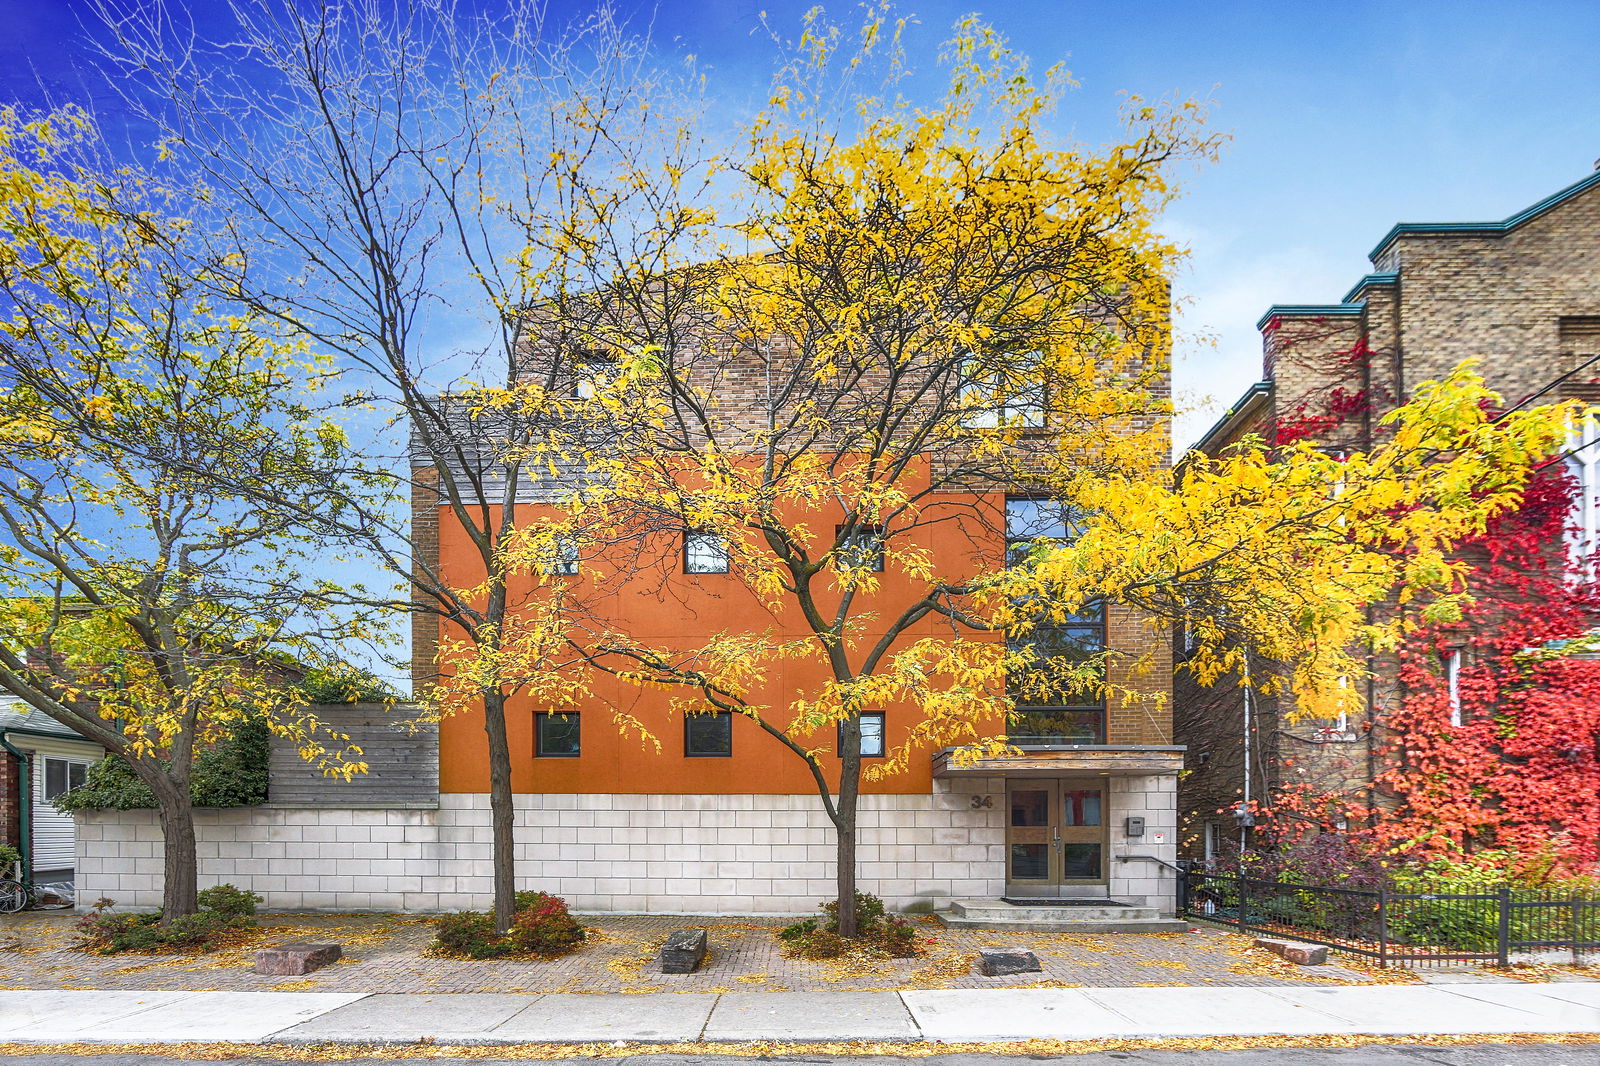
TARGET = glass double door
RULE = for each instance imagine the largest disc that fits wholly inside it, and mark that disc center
(1055, 837)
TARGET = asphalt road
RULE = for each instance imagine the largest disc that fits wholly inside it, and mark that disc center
(1399, 1055)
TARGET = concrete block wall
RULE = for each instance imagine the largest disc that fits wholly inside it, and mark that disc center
(684, 854)
(1139, 880)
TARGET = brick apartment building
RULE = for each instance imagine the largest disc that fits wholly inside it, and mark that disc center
(1521, 295)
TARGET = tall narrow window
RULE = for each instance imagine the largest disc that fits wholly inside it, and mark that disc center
(1057, 703)
(1452, 683)
(704, 553)
(562, 558)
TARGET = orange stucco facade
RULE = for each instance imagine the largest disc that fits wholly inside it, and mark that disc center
(667, 607)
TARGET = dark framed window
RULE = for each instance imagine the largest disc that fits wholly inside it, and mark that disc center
(1031, 520)
(62, 775)
(704, 553)
(593, 370)
(556, 735)
(872, 741)
(1055, 703)
(1004, 389)
(862, 549)
(708, 736)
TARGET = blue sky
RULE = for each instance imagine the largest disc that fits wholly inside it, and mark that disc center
(1345, 118)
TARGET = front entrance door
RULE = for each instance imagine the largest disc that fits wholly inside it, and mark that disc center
(1055, 839)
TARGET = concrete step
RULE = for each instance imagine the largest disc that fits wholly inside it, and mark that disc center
(1014, 912)
(1109, 918)
(1136, 925)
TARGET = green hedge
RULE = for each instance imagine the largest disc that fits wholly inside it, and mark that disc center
(232, 774)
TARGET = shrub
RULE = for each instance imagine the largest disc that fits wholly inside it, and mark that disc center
(224, 909)
(875, 929)
(898, 938)
(470, 934)
(229, 902)
(542, 926)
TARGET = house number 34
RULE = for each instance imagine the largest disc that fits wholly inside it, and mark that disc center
(979, 802)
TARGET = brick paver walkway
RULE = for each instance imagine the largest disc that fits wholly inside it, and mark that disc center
(386, 953)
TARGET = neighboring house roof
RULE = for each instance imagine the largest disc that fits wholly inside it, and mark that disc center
(1486, 229)
(16, 716)
(1253, 397)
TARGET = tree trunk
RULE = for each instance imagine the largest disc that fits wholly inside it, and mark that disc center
(845, 825)
(180, 870)
(501, 811)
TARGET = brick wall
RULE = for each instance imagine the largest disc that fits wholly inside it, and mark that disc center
(10, 808)
(1525, 302)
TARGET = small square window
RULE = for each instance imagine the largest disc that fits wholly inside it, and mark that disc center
(872, 746)
(862, 549)
(704, 553)
(556, 735)
(593, 371)
(708, 735)
(564, 558)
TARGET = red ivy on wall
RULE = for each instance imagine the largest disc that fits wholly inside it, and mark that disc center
(1521, 770)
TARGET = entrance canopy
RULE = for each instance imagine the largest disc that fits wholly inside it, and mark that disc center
(1134, 760)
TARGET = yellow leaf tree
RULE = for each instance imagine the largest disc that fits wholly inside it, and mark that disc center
(143, 608)
(913, 316)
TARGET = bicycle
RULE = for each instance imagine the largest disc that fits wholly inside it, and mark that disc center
(15, 895)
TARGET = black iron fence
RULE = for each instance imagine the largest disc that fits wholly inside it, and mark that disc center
(1403, 928)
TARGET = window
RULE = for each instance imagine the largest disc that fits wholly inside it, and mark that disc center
(593, 370)
(555, 735)
(1009, 394)
(1030, 521)
(1452, 682)
(564, 558)
(1054, 705)
(1578, 338)
(872, 745)
(704, 553)
(862, 549)
(708, 735)
(62, 775)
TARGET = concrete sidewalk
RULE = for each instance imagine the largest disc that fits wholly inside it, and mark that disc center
(942, 1015)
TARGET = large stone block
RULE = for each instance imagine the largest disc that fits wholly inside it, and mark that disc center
(998, 962)
(288, 960)
(683, 951)
(1299, 954)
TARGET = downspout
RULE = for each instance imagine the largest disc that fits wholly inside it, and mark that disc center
(1244, 808)
(24, 807)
